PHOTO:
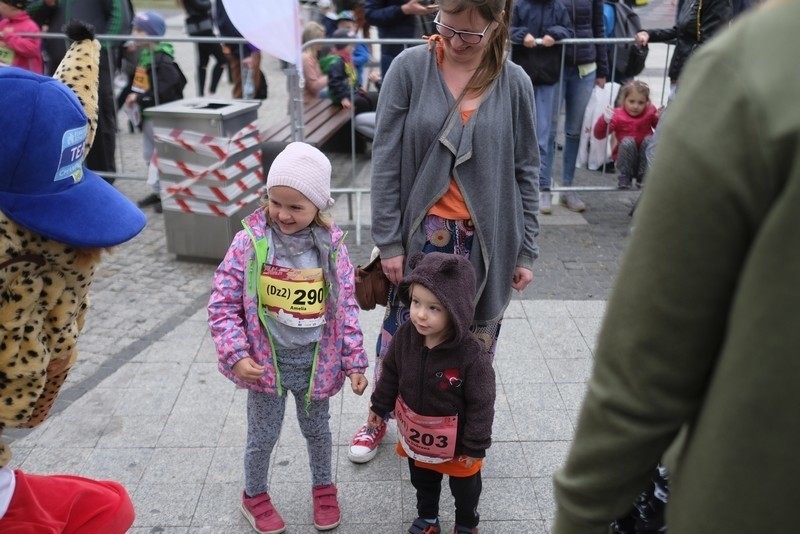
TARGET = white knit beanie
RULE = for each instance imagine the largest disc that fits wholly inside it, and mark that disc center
(306, 169)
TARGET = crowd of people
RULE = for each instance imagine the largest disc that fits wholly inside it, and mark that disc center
(453, 246)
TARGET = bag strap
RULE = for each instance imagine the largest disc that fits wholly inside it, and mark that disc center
(38, 259)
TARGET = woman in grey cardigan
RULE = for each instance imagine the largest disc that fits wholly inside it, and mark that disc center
(455, 167)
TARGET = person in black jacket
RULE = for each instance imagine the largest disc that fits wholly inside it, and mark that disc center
(437, 376)
(107, 17)
(199, 23)
(585, 66)
(158, 59)
(549, 21)
(697, 21)
(397, 19)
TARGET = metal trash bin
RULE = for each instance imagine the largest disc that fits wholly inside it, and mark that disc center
(208, 161)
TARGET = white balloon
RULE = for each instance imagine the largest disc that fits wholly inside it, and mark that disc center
(272, 26)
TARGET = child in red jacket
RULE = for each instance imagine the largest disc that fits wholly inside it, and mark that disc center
(632, 125)
(15, 50)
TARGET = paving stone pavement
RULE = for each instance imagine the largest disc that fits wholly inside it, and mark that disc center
(146, 406)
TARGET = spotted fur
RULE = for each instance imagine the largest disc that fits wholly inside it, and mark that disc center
(42, 311)
(80, 71)
(44, 284)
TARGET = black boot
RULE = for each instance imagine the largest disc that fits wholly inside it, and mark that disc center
(216, 75)
(201, 80)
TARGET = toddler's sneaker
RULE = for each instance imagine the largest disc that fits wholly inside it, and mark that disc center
(326, 507)
(261, 514)
(364, 445)
(420, 526)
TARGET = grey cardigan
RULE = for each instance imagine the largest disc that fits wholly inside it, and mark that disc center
(493, 158)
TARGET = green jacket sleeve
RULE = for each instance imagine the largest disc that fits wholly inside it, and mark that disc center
(710, 188)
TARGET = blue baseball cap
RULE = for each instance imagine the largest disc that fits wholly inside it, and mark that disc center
(44, 186)
(150, 23)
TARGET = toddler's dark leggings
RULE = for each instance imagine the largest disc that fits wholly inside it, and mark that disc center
(466, 491)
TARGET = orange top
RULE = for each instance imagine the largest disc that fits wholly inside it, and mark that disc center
(451, 205)
(453, 468)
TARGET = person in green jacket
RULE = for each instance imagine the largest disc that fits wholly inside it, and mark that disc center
(158, 79)
(701, 333)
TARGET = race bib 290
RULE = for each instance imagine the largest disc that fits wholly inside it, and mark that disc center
(294, 297)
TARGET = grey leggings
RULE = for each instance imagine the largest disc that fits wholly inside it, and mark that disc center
(632, 159)
(264, 418)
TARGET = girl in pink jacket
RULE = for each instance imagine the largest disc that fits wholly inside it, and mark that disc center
(632, 124)
(283, 317)
(16, 50)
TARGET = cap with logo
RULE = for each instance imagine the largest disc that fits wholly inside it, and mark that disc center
(44, 186)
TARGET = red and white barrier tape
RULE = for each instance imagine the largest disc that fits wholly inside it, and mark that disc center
(199, 207)
(209, 199)
(208, 145)
(222, 194)
(216, 172)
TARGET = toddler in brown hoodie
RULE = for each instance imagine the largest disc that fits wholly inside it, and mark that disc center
(437, 377)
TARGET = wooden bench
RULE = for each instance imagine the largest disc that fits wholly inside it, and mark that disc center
(321, 121)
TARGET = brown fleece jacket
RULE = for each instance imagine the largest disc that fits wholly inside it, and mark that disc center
(456, 376)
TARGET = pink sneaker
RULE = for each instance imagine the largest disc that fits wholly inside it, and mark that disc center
(262, 515)
(364, 445)
(326, 507)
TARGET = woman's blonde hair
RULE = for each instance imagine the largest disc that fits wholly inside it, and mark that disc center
(492, 62)
(322, 218)
(313, 30)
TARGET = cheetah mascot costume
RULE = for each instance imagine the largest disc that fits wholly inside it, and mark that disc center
(56, 218)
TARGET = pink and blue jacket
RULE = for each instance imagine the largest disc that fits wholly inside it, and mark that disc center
(236, 320)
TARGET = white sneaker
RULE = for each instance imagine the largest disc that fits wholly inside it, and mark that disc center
(572, 202)
(364, 445)
(546, 202)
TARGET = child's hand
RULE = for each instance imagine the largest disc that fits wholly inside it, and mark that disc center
(521, 278)
(608, 114)
(374, 419)
(358, 382)
(247, 370)
(346, 103)
(468, 461)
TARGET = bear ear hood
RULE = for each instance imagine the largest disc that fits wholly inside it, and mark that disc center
(452, 279)
(48, 126)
